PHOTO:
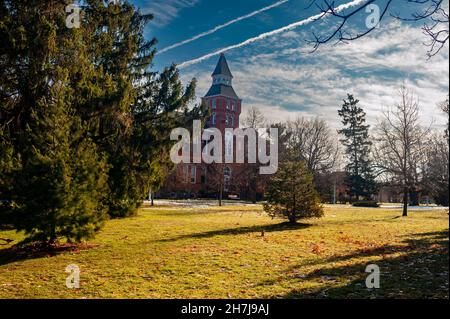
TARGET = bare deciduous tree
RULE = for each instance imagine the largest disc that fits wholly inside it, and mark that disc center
(433, 14)
(312, 141)
(437, 166)
(254, 118)
(401, 144)
(251, 179)
(437, 169)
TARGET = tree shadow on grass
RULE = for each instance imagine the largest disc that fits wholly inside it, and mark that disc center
(20, 252)
(421, 270)
(241, 230)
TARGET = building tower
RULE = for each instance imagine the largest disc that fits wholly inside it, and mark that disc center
(197, 179)
(221, 98)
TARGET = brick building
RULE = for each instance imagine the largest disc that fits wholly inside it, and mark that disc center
(208, 180)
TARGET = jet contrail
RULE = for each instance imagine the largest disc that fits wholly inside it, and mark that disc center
(268, 34)
(221, 26)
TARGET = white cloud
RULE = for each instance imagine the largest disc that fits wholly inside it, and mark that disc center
(166, 10)
(286, 82)
(221, 26)
(272, 33)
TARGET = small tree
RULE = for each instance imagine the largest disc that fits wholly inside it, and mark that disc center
(291, 194)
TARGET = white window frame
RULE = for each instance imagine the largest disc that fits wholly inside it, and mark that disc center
(193, 174)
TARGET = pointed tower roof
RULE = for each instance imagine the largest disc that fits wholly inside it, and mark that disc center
(222, 80)
(222, 67)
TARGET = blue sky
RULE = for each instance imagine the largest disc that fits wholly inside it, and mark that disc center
(279, 74)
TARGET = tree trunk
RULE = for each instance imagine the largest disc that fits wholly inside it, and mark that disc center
(220, 197)
(405, 201)
(53, 238)
(292, 219)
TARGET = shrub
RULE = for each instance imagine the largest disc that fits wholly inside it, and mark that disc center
(291, 194)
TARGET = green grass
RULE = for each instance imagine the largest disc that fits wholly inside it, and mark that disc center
(179, 252)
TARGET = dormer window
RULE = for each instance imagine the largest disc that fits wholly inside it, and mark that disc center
(225, 80)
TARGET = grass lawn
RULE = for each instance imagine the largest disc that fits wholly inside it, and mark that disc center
(185, 252)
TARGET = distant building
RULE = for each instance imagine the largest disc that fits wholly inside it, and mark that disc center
(203, 180)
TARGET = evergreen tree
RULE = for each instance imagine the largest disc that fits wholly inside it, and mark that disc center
(291, 194)
(360, 180)
(129, 109)
(52, 174)
(59, 188)
(84, 124)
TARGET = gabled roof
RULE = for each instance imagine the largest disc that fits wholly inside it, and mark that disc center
(223, 90)
(222, 67)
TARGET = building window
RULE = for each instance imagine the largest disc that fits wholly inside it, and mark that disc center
(203, 175)
(228, 104)
(193, 174)
(233, 106)
(213, 119)
(226, 178)
(213, 104)
(226, 119)
(231, 120)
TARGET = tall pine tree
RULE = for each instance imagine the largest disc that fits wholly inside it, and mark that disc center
(359, 180)
(84, 124)
(129, 109)
(53, 176)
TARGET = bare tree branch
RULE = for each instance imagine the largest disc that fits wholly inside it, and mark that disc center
(433, 13)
